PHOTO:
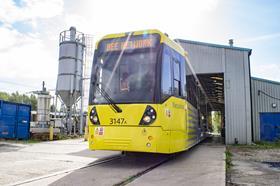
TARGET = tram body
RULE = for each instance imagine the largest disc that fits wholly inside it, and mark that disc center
(143, 95)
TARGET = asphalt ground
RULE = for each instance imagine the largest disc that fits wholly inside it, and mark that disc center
(112, 173)
(22, 161)
(71, 163)
(201, 165)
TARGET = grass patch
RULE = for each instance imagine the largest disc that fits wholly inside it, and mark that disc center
(228, 159)
(61, 137)
(32, 141)
(260, 145)
(29, 141)
(268, 145)
(40, 138)
(65, 137)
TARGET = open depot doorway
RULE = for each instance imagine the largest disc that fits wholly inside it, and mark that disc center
(213, 107)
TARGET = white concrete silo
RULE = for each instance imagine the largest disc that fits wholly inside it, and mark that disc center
(70, 70)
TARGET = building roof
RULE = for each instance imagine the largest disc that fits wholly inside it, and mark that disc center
(266, 80)
(214, 45)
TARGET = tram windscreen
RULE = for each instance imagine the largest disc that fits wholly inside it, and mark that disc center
(127, 74)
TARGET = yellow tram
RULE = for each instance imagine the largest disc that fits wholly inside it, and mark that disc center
(143, 95)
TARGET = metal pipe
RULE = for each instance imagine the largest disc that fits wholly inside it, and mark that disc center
(81, 110)
(72, 33)
(55, 106)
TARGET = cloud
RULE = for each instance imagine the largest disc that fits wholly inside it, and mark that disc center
(29, 56)
(260, 38)
(10, 38)
(268, 71)
(104, 17)
(25, 59)
(29, 10)
(32, 56)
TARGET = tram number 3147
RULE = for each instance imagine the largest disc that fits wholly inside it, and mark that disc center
(117, 121)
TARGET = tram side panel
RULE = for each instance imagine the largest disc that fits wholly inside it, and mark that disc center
(173, 119)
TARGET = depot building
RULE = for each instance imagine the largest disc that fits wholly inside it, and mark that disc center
(250, 107)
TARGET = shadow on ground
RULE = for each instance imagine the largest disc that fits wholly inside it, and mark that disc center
(112, 172)
(5, 147)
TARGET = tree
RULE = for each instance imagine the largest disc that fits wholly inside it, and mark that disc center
(20, 98)
(33, 102)
(216, 121)
(4, 96)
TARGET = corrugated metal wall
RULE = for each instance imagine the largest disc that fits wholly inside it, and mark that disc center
(205, 59)
(234, 63)
(237, 97)
(262, 102)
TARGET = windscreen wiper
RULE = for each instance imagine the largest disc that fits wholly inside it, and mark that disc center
(112, 104)
(104, 94)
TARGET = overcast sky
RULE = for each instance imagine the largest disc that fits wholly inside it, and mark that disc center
(29, 31)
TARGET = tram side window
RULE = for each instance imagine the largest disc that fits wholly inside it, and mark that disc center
(183, 77)
(166, 83)
(191, 87)
(192, 91)
(177, 82)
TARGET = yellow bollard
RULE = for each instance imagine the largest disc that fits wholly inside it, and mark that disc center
(51, 133)
(86, 133)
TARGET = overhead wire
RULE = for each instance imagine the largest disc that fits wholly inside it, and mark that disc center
(18, 84)
(268, 95)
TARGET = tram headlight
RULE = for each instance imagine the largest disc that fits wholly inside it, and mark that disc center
(147, 119)
(149, 116)
(94, 117)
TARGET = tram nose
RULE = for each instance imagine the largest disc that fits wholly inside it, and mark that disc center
(132, 115)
